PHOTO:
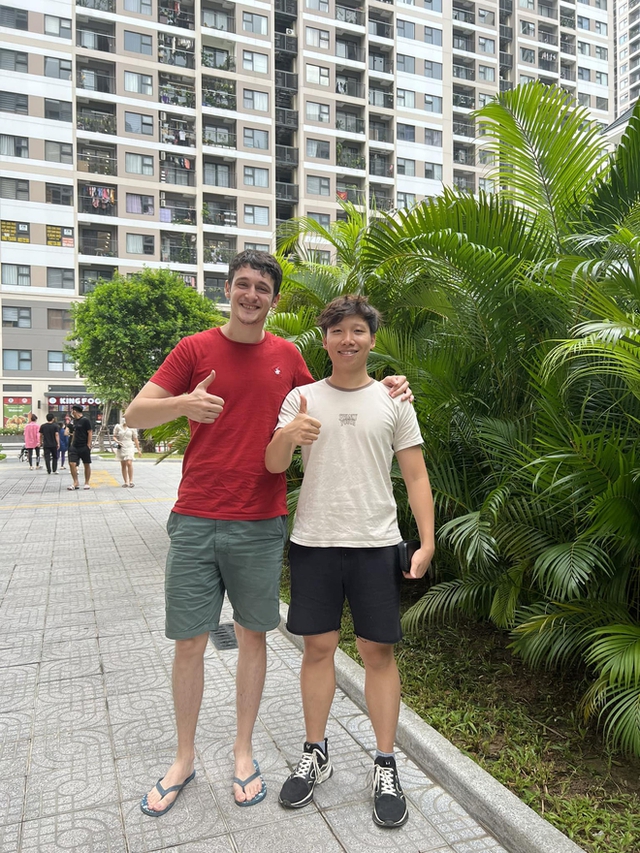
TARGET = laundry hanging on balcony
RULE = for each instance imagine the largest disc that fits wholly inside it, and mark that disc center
(101, 197)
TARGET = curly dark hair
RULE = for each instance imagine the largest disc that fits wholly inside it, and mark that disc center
(261, 261)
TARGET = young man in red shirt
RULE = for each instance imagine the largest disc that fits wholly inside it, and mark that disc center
(228, 526)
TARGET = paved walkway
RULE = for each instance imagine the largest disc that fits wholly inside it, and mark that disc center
(86, 723)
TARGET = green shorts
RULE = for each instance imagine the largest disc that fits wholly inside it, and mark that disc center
(208, 557)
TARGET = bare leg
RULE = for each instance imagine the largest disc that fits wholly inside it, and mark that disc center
(250, 675)
(318, 682)
(188, 684)
(125, 474)
(73, 468)
(87, 474)
(381, 690)
(130, 471)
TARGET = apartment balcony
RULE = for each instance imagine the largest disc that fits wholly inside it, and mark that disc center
(287, 155)
(381, 29)
(98, 5)
(177, 15)
(216, 18)
(380, 98)
(220, 98)
(219, 213)
(285, 44)
(95, 81)
(286, 118)
(286, 192)
(506, 85)
(102, 244)
(464, 102)
(464, 15)
(219, 174)
(349, 16)
(181, 58)
(381, 134)
(568, 74)
(349, 87)
(547, 11)
(287, 7)
(349, 50)
(547, 62)
(351, 193)
(180, 95)
(547, 38)
(178, 253)
(380, 64)
(219, 252)
(568, 47)
(506, 60)
(568, 21)
(464, 128)
(506, 6)
(350, 123)
(380, 167)
(506, 33)
(463, 72)
(96, 121)
(467, 43)
(178, 212)
(465, 156)
(464, 181)
(97, 200)
(380, 202)
(218, 58)
(89, 278)
(177, 132)
(348, 160)
(97, 163)
(92, 40)
(286, 80)
(177, 170)
(219, 137)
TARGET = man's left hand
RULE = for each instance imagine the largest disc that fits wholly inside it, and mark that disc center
(398, 385)
(420, 563)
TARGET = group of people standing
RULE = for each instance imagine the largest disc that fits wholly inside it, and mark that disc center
(52, 437)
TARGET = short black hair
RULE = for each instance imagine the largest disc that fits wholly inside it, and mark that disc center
(77, 408)
(33, 417)
(349, 306)
(261, 261)
(50, 417)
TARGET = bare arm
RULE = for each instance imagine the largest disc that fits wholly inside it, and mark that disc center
(303, 429)
(155, 405)
(414, 473)
(89, 437)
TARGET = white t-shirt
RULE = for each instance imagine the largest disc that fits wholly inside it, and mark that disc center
(346, 499)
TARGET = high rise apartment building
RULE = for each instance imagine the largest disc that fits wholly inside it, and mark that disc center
(627, 60)
(171, 133)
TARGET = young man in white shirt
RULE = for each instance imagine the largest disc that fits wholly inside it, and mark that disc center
(345, 542)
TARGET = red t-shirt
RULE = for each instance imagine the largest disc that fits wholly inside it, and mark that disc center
(223, 473)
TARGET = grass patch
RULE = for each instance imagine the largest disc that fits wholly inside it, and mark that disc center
(519, 725)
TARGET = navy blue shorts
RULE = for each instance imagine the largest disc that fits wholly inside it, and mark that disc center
(369, 578)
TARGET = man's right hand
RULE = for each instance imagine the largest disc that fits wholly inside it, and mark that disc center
(201, 406)
(303, 429)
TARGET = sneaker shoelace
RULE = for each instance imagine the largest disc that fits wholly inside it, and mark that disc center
(304, 765)
(386, 780)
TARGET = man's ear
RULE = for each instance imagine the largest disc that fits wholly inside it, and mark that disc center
(373, 341)
(275, 300)
(227, 288)
(324, 341)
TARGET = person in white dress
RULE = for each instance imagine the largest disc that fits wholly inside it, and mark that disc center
(126, 441)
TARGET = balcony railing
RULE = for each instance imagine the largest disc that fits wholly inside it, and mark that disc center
(567, 74)
(179, 214)
(506, 85)
(381, 134)
(220, 99)
(506, 60)
(352, 88)
(547, 11)
(285, 43)
(288, 7)
(506, 6)
(464, 183)
(506, 32)
(94, 81)
(349, 16)
(380, 202)
(464, 157)
(547, 38)
(219, 137)
(465, 102)
(287, 155)
(380, 64)
(214, 214)
(179, 58)
(213, 254)
(177, 134)
(568, 47)
(100, 5)
(226, 179)
(464, 73)
(95, 41)
(380, 29)
(463, 15)
(174, 15)
(219, 59)
(286, 192)
(380, 168)
(349, 50)
(104, 247)
(99, 164)
(181, 96)
(378, 98)
(463, 128)
(545, 65)
(286, 80)
(287, 118)
(349, 123)
(178, 254)
(171, 173)
(352, 194)
(568, 21)
(96, 122)
(467, 44)
(96, 207)
(352, 161)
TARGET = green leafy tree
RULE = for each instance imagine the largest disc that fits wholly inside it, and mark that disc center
(125, 328)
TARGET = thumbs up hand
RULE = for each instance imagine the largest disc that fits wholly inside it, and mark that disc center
(201, 406)
(303, 429)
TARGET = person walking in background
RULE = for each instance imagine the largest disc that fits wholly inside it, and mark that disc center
(50, 443)
(125, 439)
(80, 447)
(32, 440)
(63, 434)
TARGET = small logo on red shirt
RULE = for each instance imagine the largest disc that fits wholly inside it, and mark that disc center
(277, 371)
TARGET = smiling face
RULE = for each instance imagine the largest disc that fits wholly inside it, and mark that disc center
(348, 344)
(250, 295)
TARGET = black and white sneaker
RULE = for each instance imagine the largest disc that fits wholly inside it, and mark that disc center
(389, 805)
(314, 767)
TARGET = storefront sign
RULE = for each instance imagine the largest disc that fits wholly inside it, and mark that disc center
(15, 411)
(80, 400)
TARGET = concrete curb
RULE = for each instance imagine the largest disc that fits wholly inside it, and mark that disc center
(517, 827)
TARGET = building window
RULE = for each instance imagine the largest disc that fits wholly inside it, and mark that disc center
(142, 84)
(317, 38)
(16, 359)
(16, 274)
(486, 45)
(11, 102)
(584, 73)
(320, 149)
(406, 132)
(58, 110)
(13, 60)
(138, 123)
(255, 177)
(484, 98)
(60, 68)
(63, 279)
(14, 146)
(583, 23)
(14, 19)
(257, 247)
(433, 103)
(433, 137)
(433, 171)
(138, 164)
(602, 78)
(433, 5)
(59, 318)
(16, 318)
(318, 5)
(486, 18)
(584, 100)
(601, 28)
(14, 188)
(323, 219)
(527, 4)
(217, 174)
(602, 103)
(254, 23)
(58, 27)
(406, 29)
(256, 62)
(432, 35)
(256, 215)
(318, 75)
(59, 361)
(406, 98)
(485, 184)
(584, 48)
(528, 29)
(257, 101)
(140, 7)
(406, 63)
(317, 112)
(59, 194)
(142, 204)
(601, 52)
(140, 244)
(138, 43)
(433, 69)
(318, 186)
(527, 55)
(487, 73)
(319, 256)
(406, 200)
(255, 138)
(406, 167)
(602, 4)
(58, 152)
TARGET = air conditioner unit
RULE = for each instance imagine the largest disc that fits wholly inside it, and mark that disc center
(290, 32)
(163, 116)
(163, 155)
(163, 199)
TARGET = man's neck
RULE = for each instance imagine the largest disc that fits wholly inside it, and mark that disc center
(242, 334)
(349, 380)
